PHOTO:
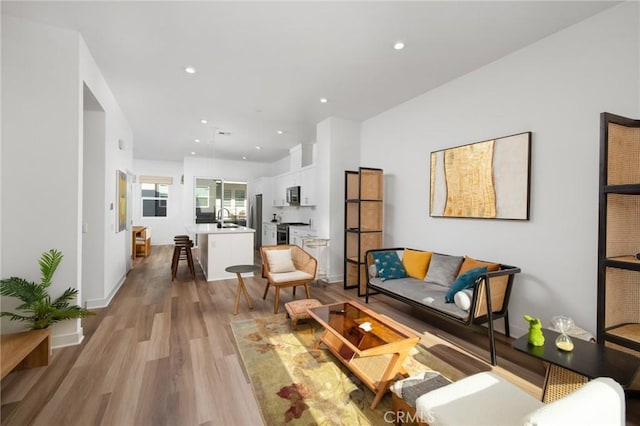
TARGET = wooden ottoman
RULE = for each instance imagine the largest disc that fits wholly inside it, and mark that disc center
(297, 310)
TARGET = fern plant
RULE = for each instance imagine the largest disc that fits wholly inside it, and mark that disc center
(37, 306)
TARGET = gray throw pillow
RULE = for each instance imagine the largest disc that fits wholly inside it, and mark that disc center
(443, 269)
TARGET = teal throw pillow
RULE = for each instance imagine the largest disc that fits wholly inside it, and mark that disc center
(389, 265)
(466, 280)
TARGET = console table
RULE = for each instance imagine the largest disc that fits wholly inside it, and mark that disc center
(567, 371)
(136, 231)
(370, 345)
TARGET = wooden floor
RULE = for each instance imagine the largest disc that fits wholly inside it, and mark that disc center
(163, 354)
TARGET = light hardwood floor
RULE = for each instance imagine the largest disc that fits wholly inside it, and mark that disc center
(163, 354)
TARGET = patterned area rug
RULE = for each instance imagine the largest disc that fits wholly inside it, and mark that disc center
(297, 384)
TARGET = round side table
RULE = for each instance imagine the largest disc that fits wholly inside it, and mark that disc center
(238, 270)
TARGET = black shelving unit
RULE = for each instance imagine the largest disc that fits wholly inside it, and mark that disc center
(619, 233)
(363, 223)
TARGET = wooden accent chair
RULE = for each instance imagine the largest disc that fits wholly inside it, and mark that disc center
(287, 265)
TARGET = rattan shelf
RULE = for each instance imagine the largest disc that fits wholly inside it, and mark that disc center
(619, 232)
(627, 335)
(363, 223)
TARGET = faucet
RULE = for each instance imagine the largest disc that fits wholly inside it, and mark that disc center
(221, 214)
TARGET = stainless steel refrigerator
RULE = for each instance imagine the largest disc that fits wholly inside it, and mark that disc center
(256, 220)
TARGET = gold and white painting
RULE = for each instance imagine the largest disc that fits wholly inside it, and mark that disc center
(488, 179)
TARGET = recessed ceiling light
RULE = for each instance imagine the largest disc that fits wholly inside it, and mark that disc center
(258, 147)
(398, 45)
(279, 132)
(324, 100)
(244, 158)
(203, 121)
(193, 153)
(196, 140)
(190, 70)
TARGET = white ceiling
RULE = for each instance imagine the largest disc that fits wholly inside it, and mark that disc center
(263, 66)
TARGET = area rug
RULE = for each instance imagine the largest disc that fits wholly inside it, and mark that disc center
(296, 383)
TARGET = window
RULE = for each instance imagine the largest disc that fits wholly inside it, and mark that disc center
(154, 199)
(202, 197)
(235, 200)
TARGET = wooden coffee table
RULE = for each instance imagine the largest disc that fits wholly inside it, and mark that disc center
(374, 354)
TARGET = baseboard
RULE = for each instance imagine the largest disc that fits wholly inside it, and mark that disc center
(104, 302)
(64, 340)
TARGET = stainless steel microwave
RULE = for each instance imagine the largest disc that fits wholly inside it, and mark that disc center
(293, 195)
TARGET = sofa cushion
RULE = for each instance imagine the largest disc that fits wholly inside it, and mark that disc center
(388, 265)
(280, 261)
(466, 280)
(470, 263)
(416, 262)
(443, 269)
(427, 294)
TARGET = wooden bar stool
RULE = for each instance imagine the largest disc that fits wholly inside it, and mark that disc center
(182, 250)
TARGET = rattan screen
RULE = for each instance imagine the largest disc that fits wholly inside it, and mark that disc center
(623, 224)
(622, 297)
(623, 166)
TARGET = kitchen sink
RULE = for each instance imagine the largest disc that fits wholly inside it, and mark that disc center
(230, 225)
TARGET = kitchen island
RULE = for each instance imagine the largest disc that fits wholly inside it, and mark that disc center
(219, 248)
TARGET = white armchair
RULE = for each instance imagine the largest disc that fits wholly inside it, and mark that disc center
(487, 399)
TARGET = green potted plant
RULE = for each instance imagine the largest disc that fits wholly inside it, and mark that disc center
(37, 306)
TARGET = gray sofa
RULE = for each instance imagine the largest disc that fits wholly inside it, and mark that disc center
(487, 301)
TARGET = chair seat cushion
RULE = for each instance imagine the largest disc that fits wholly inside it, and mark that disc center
(481, 399)
(289, 276)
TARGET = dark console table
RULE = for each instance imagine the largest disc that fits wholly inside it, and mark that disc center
(567, 371)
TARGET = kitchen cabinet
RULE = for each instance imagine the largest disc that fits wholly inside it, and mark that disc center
(269, 234)
(619, 233)
(296, 234)
(279, 191)
(363, 223)
(308, 186)
(222, 247)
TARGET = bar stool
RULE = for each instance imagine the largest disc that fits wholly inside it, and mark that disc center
(182, 250)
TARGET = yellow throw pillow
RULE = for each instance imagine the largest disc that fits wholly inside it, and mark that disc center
(416, 263)
(471, 263)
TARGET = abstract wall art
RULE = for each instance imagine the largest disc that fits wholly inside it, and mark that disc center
(121, 190)
(488, 180)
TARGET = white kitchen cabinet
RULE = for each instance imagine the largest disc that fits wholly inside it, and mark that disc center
(308, 186)
(296, 234)
(269, 234)
(220, 248)
(280, 191)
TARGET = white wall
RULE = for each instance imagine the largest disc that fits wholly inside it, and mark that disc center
(39, 133)
(337, 150)
(555, 88)
(43, 73)
(117, 245)
(93, 219)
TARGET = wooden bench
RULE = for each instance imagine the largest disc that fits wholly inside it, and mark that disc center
(24, 350)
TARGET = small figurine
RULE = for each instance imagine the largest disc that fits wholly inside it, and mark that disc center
(535, 336)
